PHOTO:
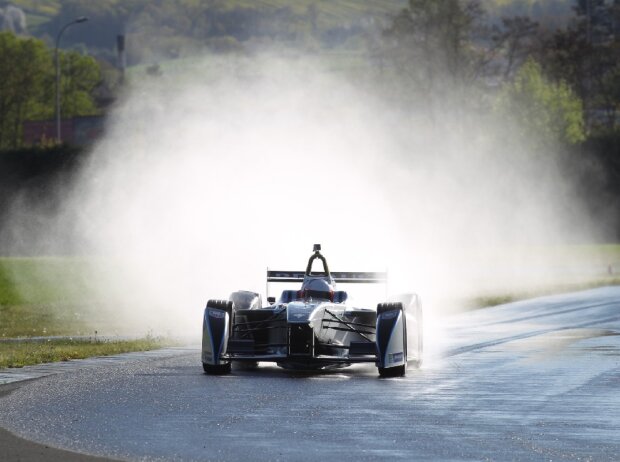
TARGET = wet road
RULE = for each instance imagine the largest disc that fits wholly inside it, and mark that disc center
(535, 380)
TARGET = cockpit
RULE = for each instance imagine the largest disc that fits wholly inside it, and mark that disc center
(316, 285)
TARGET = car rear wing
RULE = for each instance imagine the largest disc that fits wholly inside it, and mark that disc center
(351, 277)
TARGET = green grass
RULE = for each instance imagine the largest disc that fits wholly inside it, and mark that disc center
(36, 280)
(489, 300)
(56, 296)
(48, 296)
(19, 354)
(601, 253)
(44, 320)
(48, 7)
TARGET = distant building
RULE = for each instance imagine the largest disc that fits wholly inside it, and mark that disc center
(79, 131)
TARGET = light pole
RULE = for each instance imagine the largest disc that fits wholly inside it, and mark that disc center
(75, 21)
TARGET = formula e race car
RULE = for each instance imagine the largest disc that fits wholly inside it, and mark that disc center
(314, 327)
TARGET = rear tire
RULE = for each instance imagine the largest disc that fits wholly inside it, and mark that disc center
(220, 369)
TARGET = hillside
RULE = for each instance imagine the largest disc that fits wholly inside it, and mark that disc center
(174, 28)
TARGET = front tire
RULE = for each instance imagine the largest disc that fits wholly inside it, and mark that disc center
(220, 369)
(384, 309)
(387, 372)
(224, 305)
(391, 306)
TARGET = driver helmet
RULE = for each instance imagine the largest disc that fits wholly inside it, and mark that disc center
(317, 288)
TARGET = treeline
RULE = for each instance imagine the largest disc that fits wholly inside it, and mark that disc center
(453, 44)
(563, 81)
(172, 28)
(555, 91)
(575, 42)
(28, 82)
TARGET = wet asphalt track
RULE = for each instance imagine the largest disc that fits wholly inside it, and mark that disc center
(535, 380)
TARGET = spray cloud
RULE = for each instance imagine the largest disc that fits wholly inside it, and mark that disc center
(204, 180)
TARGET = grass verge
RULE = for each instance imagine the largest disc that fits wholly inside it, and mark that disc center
(43, 296)
(46, 320)
(26, 353)
(485, 301)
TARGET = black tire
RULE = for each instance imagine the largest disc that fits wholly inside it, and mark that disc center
(383, 307)
(221, 369)
(398, 371)
(223, 305)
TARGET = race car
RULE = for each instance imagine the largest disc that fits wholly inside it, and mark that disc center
(314, 327)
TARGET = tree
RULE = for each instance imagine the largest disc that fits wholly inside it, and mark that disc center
(586, 54)
(24, 64)
(437, 36)
(27, 87)
(441, 52)
(80, 76)
(547, 111)
(516, 41)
